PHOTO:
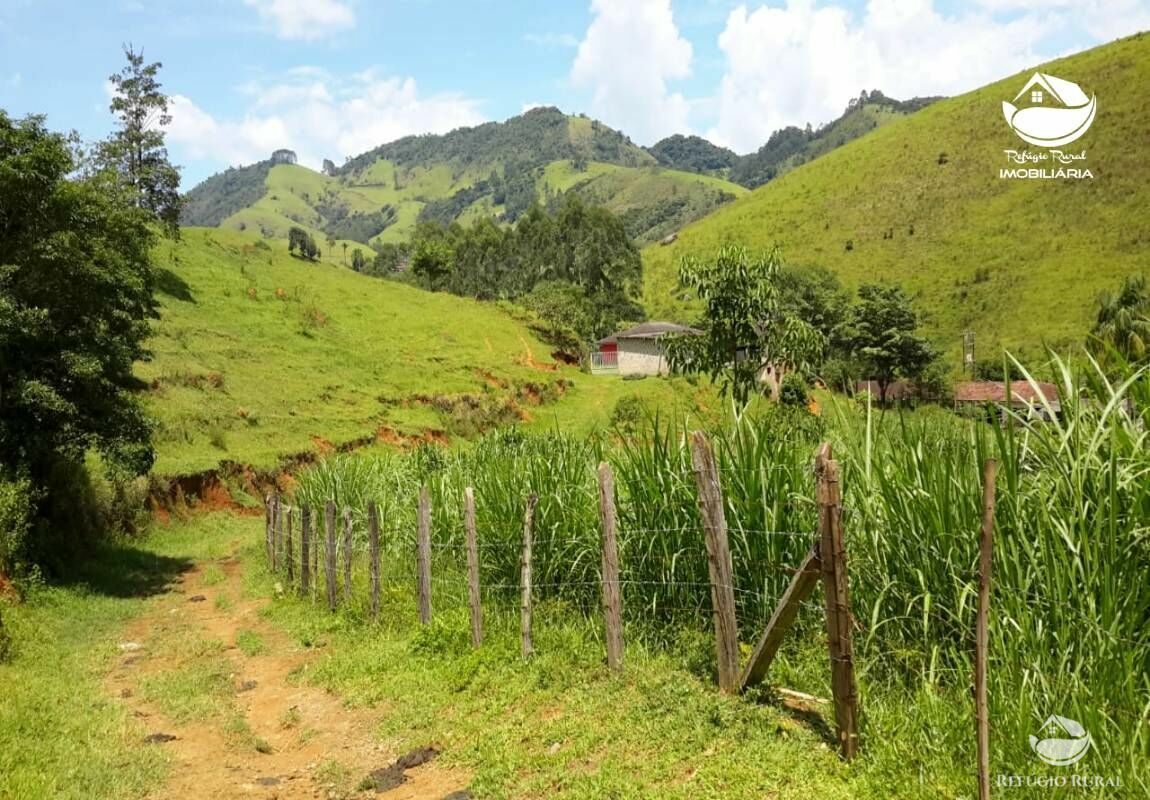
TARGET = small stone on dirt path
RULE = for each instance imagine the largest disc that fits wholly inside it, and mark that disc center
(197, 598)
(246, 686)
(462, 794)
(130, 647)
(159, 738)
(268, 781)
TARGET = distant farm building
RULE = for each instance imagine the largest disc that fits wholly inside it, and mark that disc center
(636, 351)
(1019, 395)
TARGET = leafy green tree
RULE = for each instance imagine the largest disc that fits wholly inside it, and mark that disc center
(358, 262)
(881, 335)
(1122, 326)
(745, 327)
(136, 151)
(76, 297)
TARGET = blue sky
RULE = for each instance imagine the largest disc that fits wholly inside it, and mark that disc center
(332, 78)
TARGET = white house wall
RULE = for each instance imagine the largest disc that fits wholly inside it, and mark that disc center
(641, 357)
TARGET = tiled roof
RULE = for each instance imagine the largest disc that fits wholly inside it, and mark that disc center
(995, 392)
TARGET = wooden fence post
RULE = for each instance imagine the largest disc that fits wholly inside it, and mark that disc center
(718, 561)
(981, 637)
(473, 596)
(799, 589)
(317, 548)
(525, 574)
(289, 548)
(832, 554)
(278, 535)
(304, 551)
(612, 593)
(347, 544)
(329, 552)
(373, 545)
(423, 556)
(268, 528)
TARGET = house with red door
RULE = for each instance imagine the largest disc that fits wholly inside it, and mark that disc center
(636, 351)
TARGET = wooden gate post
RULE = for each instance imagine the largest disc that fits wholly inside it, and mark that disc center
(423, 556)
(347, 543)
(304, 552)
(718, 561)
(289, 548)
(474, 599)
(373, 546)
(833, 557)
(612, 591)
(329, 552)
(525, 574)
(981, 637)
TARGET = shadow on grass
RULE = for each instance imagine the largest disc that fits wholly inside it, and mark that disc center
(173, 285)
(117, 569)
(801, 712)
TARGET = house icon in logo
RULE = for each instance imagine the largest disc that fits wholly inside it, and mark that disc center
(1055, 112)
(1063, 741)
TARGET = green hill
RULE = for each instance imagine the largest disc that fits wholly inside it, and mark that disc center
(259, 355)
(919, 201)
(493, 170)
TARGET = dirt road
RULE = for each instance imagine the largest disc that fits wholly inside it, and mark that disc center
(202, 666)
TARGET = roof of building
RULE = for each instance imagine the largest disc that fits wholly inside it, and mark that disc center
(995, 392)
(649, 330)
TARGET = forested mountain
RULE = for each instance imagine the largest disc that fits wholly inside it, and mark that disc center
(693, 154)
(787, 147)
(493, 171)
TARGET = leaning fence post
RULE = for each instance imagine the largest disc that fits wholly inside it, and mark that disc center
(373, 544)
(347, 555)
(289, 547)
(304, 551)
(612, 599)
(718, 561)
(981, 637)
(473, 596)
(329, 552)
(423, 556)
(833, 557)
(525, 574)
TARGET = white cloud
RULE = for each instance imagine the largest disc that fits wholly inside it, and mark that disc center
(631, 50)
(798, 63)
(305, 19)
(552, 40)
(318, 116)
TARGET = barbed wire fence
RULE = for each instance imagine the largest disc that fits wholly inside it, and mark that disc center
(356, 558)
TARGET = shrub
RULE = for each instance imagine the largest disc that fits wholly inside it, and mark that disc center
(17, 511)
(793, 390)
(628, 413)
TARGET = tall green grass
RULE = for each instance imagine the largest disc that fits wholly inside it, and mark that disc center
(1070, 618)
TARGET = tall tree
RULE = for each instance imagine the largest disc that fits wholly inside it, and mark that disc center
(881, 335)
(136, 151)
(1122, 326)
(358, 262)
(745, 326)
(76, 297)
